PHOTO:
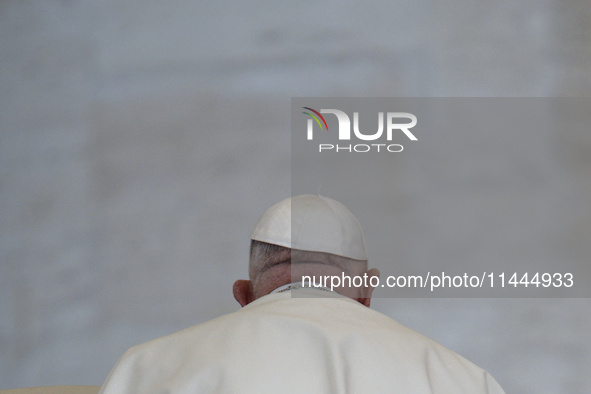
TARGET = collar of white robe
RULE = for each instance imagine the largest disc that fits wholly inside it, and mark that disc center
(299, 285)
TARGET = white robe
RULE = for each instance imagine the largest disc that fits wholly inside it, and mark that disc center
(285, 344)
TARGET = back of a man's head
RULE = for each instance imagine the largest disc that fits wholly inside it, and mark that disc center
(307, 235)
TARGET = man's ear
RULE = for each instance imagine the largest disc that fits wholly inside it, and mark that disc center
(366, 300)
(243, 293)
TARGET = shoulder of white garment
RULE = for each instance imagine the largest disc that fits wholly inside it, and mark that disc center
(297, 319)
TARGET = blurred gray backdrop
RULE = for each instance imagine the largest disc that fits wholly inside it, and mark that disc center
(140, 141)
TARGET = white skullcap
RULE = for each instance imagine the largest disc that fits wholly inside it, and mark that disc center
(320, 224)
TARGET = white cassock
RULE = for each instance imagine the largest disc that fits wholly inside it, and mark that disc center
(285, 344)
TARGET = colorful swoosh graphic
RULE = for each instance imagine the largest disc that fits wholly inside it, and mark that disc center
(316, 118)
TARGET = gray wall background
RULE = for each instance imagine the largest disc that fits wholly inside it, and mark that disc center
(139, 143)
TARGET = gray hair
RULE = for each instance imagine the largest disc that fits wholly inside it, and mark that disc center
(261, 253)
